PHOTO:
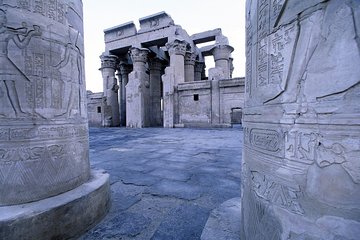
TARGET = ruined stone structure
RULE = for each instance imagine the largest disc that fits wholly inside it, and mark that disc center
(301, 166)
(161, 76)
(45, 177)
(95, 108)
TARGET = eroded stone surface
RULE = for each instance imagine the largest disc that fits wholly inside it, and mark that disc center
(43, 118)
(168, 207)
(301, 130)
(224, 222)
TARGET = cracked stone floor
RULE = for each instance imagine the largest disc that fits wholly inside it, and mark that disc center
(164, 182)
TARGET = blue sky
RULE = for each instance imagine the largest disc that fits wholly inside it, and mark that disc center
(193, 15)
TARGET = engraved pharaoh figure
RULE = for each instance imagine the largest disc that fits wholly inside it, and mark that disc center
(10, 73)
(71, 65)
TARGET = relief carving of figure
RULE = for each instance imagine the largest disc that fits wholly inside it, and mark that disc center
(10, 73)
(322, 154)
(71, 65)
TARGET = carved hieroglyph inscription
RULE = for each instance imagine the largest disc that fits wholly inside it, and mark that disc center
(274, 50)
(41, 80)
(52, 9)
(43, 124)
(276, 193)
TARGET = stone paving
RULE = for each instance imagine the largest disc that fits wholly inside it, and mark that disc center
(165, 182)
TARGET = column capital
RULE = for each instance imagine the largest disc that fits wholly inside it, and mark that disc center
(190, 58)
(108, 61)
(155, 64)
(222, 52)
(139, 54)
(177, 47)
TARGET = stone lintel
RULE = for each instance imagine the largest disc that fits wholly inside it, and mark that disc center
(207, 50)
(206, 36)
(119, 32)
(159, 52)
(155, 21)
(194, 85)
(108, 61)
(154, 38)
(97, 95)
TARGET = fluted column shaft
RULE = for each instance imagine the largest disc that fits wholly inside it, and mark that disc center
(137, 90)
(111, 114)
(190, 66)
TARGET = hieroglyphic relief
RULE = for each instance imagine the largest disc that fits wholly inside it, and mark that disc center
(56, 165)
(281, 44)
(265, 139)
(262, 63)
(275, 11)
(309, 148)
(274, 54)
(274, 51)
(278, 194)
(55, 77)
(70, 67)
(39, 7)
(32, 153)
(263, 26)
(248, 59)
(53, 9)
(24, 4)
(11, 74)
(43, 133)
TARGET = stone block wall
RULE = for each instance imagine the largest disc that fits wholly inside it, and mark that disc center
(96, 108)
(210, 103)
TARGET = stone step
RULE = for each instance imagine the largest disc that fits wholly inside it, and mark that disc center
(224, 222)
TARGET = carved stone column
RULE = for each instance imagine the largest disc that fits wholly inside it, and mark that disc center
(155, 68)
(301, 165)
(198, 69)
(189, 66)
(46, 186)
(177, 50)
(124, 70)
(221, 55)
(137, 90)
(110, 88)
(174, 74)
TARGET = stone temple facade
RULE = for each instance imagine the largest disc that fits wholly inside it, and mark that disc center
(155, 76)
(301, 156)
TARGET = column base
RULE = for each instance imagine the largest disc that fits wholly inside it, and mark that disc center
(64, 216)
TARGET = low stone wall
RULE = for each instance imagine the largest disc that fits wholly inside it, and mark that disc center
(95, 108)
(210, 103)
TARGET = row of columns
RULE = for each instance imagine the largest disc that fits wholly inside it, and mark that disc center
(136, 100)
